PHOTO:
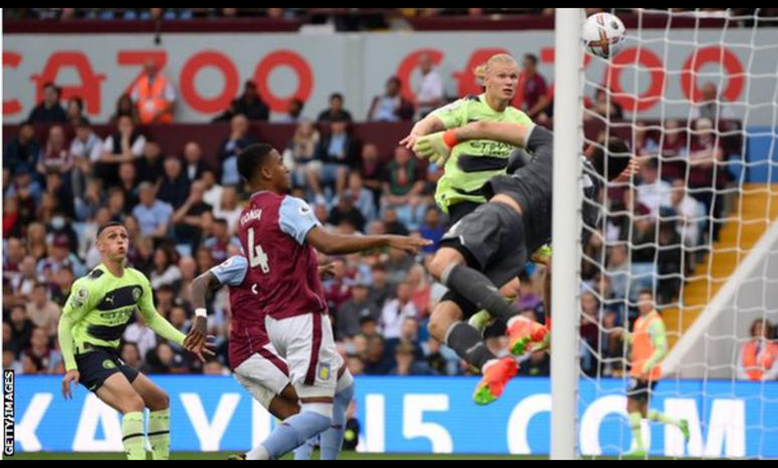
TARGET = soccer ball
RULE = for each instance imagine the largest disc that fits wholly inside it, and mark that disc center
(603, 35)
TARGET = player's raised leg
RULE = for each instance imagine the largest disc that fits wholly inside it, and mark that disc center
(119, 394)
(309, 348)
(158, 403)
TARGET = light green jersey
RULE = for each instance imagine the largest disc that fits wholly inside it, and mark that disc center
(473, 162)
(101, 306)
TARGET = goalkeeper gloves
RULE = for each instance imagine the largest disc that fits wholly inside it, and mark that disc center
(436, 147)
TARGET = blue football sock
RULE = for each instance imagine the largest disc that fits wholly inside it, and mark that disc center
(332, 438)
(291, 434)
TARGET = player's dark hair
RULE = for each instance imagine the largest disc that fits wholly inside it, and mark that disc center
(615, 159)
(252, 159)
(109, 224)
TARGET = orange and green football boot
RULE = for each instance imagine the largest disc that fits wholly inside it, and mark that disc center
(497, 374)
(523, 334)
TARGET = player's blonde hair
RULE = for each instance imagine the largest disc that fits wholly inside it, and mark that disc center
(482, 70)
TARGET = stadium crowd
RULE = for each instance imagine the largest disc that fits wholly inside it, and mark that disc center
(182, 213)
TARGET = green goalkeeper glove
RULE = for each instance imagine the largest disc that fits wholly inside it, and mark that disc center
(436, 147)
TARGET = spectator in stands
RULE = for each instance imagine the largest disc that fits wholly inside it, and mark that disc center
(61, 254)
(42, 311)
(335, 112)
(407, 365)
(75, 110)
(671, 149)
(150, 166)
(128, 182)
(40, 358)
(213, 191)
(606, 107)
(689, 213)
(391, 106)
(23, 150)
(421, 290)
(396, 311)
(220, 240)
(153, 215)
(344, 211)
(174, 188)
(50, 109)
(371, 167)
(432, 228)
(380, 288)
(706, 171)
(302, 151)
(125, 145)
(377, 361)
(337, 154)
(229, 209)
(403, 187)
(249, 104)
(130, 355)
(9, 359)
(711, 106)
(429, 93)
(670, 260)
(165, 272)
(618, 270)
(87, 145)
(653, 192)
(239, 139)
(194, 166)
(117, 203)
(758, 358)
(153, 95)
(532, 86)
(21, 329)
(125, 108)
(360, 197)
(351, 313)
(187, 220)
(55, 155)
(294, 112)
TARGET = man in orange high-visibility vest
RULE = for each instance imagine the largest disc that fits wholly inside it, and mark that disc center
(758, 358)
(154, 95)
(648, 342)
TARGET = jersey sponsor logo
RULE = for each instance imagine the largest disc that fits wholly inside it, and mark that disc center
(253, 215)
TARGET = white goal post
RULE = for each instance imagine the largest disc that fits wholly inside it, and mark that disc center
(568, 138)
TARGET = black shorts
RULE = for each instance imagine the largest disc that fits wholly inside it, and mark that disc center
(97, 364)
(460, 210)
(492, 241)
(640, 389)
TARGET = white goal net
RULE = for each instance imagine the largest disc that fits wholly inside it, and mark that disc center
(695, 95)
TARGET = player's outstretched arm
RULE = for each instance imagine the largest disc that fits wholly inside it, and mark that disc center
(202, 286)
(427, 125)
(510, 133)
(337, 244)
(161, 326)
